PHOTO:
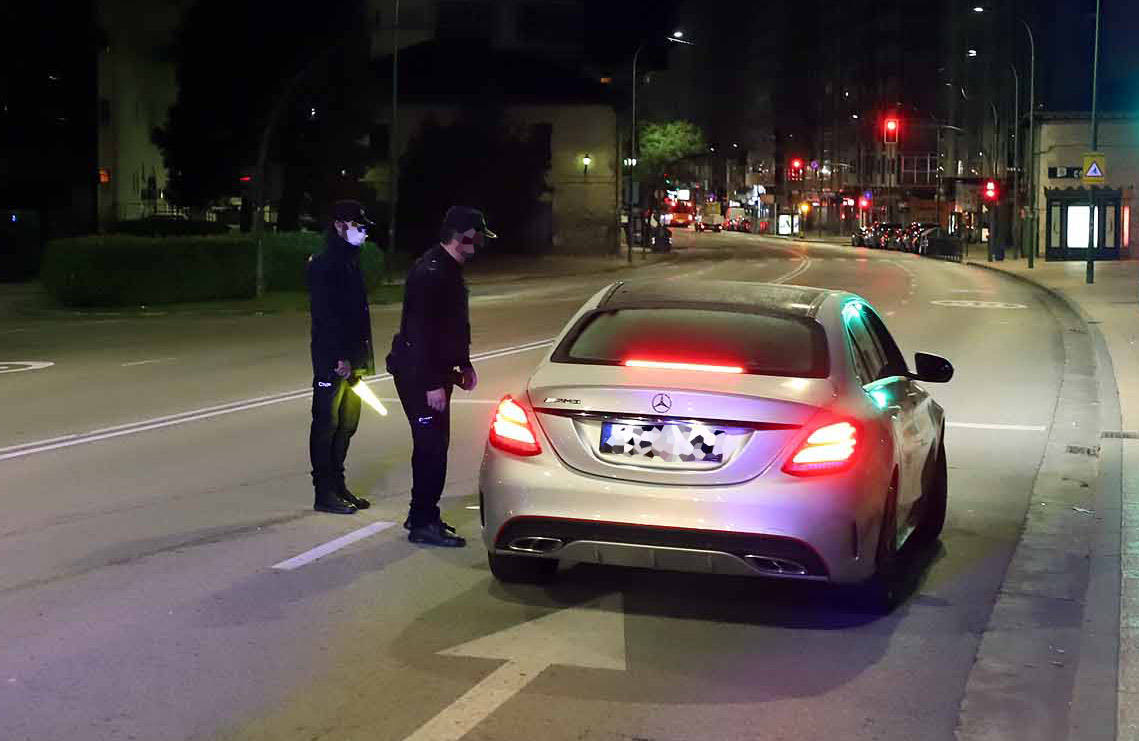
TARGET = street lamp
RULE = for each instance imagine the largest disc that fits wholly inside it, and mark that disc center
(676, 37)
(586, 161)
(1031, 140)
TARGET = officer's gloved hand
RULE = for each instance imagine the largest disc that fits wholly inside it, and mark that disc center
(437, 399)
(343, 369)
(469, 379)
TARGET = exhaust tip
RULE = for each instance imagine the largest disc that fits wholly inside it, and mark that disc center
(535, 544)
(782, 566)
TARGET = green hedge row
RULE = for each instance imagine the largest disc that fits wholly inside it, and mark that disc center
(125, 270)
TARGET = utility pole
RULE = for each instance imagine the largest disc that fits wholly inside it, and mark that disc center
(1031, 143)
(1016, 161)
(393, 141)
(1095, 141)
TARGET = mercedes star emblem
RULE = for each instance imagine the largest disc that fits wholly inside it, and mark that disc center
(662, 403)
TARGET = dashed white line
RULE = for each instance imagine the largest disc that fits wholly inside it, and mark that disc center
(331, 546)
(979, 426)
(147, 362)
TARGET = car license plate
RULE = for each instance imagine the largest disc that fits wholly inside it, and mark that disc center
(669, 442)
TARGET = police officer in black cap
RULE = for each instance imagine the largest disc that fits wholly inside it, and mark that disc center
(429, 356)
(341, 354)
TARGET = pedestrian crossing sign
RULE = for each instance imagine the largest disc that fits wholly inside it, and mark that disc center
(1095, 169)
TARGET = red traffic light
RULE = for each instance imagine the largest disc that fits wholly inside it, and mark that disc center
(796, 164)
(245, 178)
(890, 131)
(991, 190)
(863, 203)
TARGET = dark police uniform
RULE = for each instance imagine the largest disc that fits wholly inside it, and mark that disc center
(341, 330)
(434, 339)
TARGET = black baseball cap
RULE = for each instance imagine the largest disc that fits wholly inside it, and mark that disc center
(465, 218)
(350, 211)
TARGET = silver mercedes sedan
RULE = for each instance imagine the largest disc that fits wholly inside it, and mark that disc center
(719, 427)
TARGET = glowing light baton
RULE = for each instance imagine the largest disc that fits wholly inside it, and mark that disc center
(361, 389)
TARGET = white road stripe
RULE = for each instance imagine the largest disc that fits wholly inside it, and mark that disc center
(147, 362)
(67, 441)
(331, 546)
(978, 426)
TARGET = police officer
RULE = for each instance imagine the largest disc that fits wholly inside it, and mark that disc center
(430, 354)
(341, 354)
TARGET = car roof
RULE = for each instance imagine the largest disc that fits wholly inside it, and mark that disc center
(799, 301)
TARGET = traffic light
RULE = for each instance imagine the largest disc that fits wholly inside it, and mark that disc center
(864, 203)
(795, 171)
(890, 131)
(796, 164)
(991, 191)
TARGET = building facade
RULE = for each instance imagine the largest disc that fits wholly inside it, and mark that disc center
(1064, 200)
(136, 87)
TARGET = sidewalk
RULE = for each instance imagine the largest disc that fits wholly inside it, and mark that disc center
(1110, 309)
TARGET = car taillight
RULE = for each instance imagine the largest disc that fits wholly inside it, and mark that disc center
(829, 449)
(512, 431)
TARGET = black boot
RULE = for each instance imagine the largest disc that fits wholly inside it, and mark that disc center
(331, 503)
(355, 501)
(434, 534)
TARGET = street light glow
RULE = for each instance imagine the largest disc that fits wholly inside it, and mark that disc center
(678, 34)
(978, 9)
(854, 115)
(972, 52)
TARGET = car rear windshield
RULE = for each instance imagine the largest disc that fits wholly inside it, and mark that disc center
(762, 344)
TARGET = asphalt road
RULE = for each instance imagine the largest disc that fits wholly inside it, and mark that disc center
(147, 501)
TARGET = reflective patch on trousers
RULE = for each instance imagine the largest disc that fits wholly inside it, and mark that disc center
(426, 420)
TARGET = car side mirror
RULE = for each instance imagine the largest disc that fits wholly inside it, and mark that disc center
(932, 368)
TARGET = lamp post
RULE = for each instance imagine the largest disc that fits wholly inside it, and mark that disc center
(1031, 142)
(1095, 143)
(393, 154)
(1016, 159)
(678, 38)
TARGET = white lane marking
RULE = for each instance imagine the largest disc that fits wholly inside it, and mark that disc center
(591, 636)
(331, 546)
(797, 271)
(15, 366)
(967, 304)
(978, 426)
(147, 362)
(67, 441)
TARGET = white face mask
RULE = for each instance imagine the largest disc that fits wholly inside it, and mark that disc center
(354, 237)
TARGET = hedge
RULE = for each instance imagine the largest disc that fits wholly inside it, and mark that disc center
(167, 227)
(125, 270)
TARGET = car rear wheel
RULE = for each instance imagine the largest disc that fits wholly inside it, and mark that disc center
(935, 501)
(880, 593)
(522, 569)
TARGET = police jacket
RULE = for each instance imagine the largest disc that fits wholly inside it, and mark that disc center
(435, 331)
(341, 325)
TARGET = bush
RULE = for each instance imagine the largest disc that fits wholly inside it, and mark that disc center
(125, 270)
(158, 226)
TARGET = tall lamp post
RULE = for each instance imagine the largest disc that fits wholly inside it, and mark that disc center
(1031, 142)
(1095, 143)
(678, 38)
(393, 139)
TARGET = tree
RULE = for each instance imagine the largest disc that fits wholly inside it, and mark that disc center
(267, 74)
(664, 144)
(480, 160)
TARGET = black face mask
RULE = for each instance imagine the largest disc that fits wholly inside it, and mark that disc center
(478, 240)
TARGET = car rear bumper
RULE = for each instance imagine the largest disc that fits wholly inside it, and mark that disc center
(821, 529)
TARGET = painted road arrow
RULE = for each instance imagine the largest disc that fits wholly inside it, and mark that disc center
(592, 636)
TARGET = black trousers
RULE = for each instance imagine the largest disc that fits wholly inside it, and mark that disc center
(430, 438)
(335, 417)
